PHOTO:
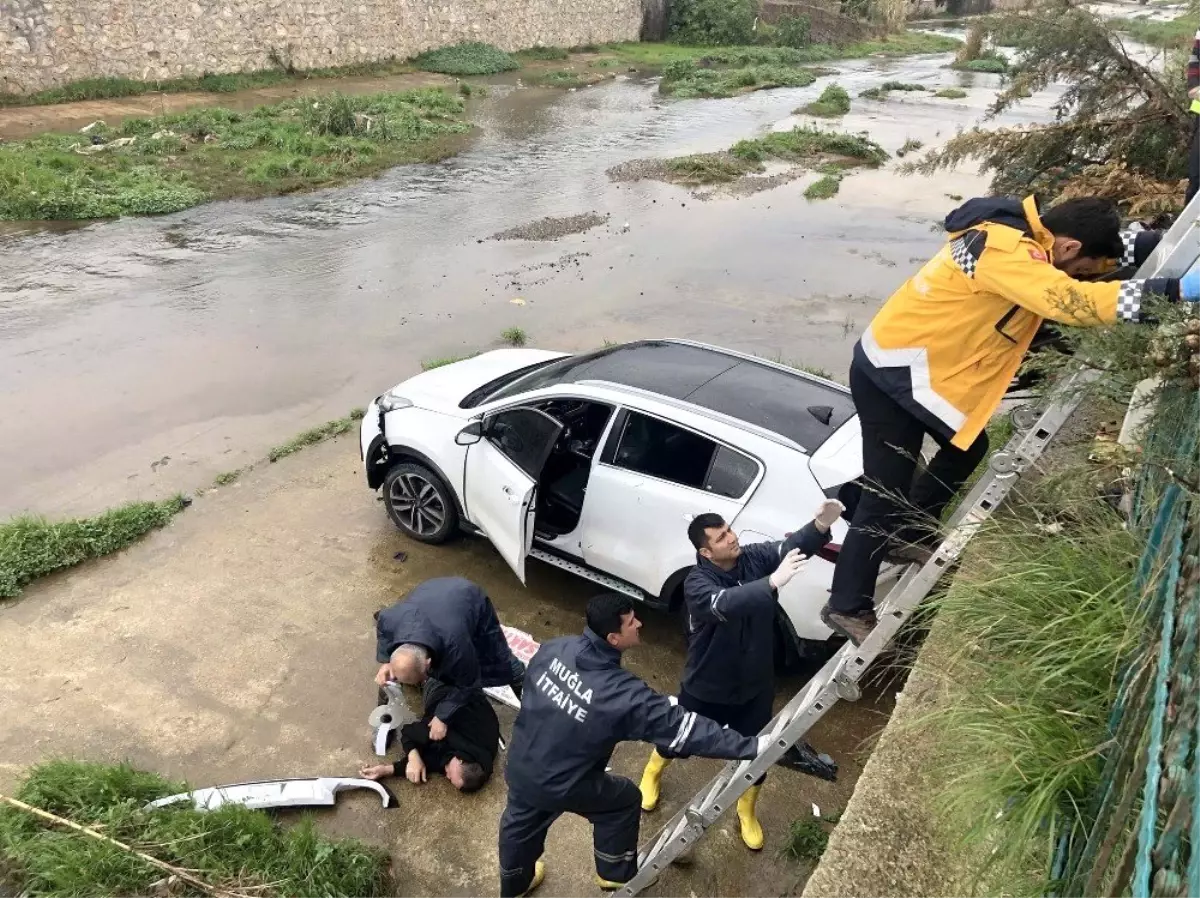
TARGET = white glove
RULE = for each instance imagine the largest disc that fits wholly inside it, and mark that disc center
(764, 742)
(828, 513)
(792, 562)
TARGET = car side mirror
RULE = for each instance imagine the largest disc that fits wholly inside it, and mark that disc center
(823, 413)
(472, 433)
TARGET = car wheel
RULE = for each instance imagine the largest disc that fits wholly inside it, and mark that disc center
(420, 503)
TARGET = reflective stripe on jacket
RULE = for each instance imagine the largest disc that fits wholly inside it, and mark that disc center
(946, 345)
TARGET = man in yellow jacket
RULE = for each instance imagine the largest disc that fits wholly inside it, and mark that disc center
(939, 355)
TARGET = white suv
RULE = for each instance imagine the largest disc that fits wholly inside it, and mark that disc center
(596, 463)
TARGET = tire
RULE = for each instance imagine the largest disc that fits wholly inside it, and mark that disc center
(420, 504)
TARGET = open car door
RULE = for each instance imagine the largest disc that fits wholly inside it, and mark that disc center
(500, 482)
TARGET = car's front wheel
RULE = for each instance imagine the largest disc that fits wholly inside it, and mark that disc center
(420, 503)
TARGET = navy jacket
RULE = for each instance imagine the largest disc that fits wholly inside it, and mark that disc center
(453, 619)
(731, 620)
(579, 703)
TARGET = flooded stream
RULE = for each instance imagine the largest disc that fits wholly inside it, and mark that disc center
(143, 356)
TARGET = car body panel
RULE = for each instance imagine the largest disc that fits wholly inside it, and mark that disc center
(285, 793)
(499, 500)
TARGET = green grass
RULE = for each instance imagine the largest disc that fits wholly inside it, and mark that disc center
(430, 364)
(110, 88)
(951, 93)
(833, 102)
(231, 848)
(564, 78)
(469, 58)
(823, 188)
(989, 62)
(881, 92)
(807, 839)
(514, 336)
(688, 80)
(227, 477)
(31, 547)
(1042, 622)
(1173, 34)
(810, 144)
(183, 159)
(542, 54)
(707, 168)
(315, 435)
(654, 55)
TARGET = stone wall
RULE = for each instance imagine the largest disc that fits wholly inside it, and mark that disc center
(44, 43)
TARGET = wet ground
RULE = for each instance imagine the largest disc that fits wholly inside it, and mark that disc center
(193, 342)
(238, 645)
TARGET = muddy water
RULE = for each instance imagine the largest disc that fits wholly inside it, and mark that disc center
(146, 355)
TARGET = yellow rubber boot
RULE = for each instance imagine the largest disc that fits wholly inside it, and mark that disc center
(652, 780)
(539, 875)
(752, 833)
(607, 884)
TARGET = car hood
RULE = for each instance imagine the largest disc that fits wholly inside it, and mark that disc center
(442, 388)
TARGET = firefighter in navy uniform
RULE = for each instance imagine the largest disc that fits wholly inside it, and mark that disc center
(732, 596)
(577, 705)
(942, 351)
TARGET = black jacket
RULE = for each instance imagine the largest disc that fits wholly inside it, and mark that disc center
(731, 620)
(475, 736)
(579, 703)
(453, 619)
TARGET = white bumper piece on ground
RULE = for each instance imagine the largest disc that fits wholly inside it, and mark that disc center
(289, 793)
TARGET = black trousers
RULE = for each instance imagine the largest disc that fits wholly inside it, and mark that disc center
(612, 804)
(1194, 160)
(892, 505)
(748, 718)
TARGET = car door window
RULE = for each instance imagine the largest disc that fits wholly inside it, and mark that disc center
(654, 447)
(731, 473)
(525, 435)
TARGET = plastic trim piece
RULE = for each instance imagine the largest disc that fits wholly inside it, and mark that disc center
(286, 793)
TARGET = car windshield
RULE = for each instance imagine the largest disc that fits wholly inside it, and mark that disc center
(531, 377)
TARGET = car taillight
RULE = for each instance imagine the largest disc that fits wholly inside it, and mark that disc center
(829, 552)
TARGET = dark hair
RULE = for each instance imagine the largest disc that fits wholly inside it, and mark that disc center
(604, 613)
(1093, 221)
(699, 524)
(473, 776)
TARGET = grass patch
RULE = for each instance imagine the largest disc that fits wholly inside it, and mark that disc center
(227, 477)
(822, 189)
(806, 840)
(514, 336)
(542, 54)
(688, 79)
(182, 159)
(110, 88)
(881, 92)
(564, 78)
(810, 144)
(833, 102)
(1171, 35)
(315, 435)
(911, 145)
(471, 58)
(1043, 623)
(989, 62)
(951, 93)
(231, 848)
(707, 168)
(31, 547)
(430, 364)
(654, 55)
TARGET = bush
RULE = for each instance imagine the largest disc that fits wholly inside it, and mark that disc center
(712, 22)
(471, 58)
(834, 101)
(793, 31)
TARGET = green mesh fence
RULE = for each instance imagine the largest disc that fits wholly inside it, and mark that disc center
(1140, 835)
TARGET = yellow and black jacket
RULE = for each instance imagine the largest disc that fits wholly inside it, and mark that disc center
(946, 344)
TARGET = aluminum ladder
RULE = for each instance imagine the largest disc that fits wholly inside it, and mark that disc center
(838, 679)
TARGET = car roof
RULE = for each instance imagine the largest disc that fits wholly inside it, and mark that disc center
(769, 396)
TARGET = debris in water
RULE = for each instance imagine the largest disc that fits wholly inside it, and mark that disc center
(551, 228)
(517, 301)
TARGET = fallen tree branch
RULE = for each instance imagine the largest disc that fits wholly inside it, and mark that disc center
(207, 888)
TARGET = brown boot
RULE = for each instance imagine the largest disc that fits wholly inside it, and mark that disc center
(855, 626)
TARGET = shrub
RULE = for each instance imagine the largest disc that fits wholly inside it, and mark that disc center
(793, 31)
(712, 22)
(834, 101)
(470, 58)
